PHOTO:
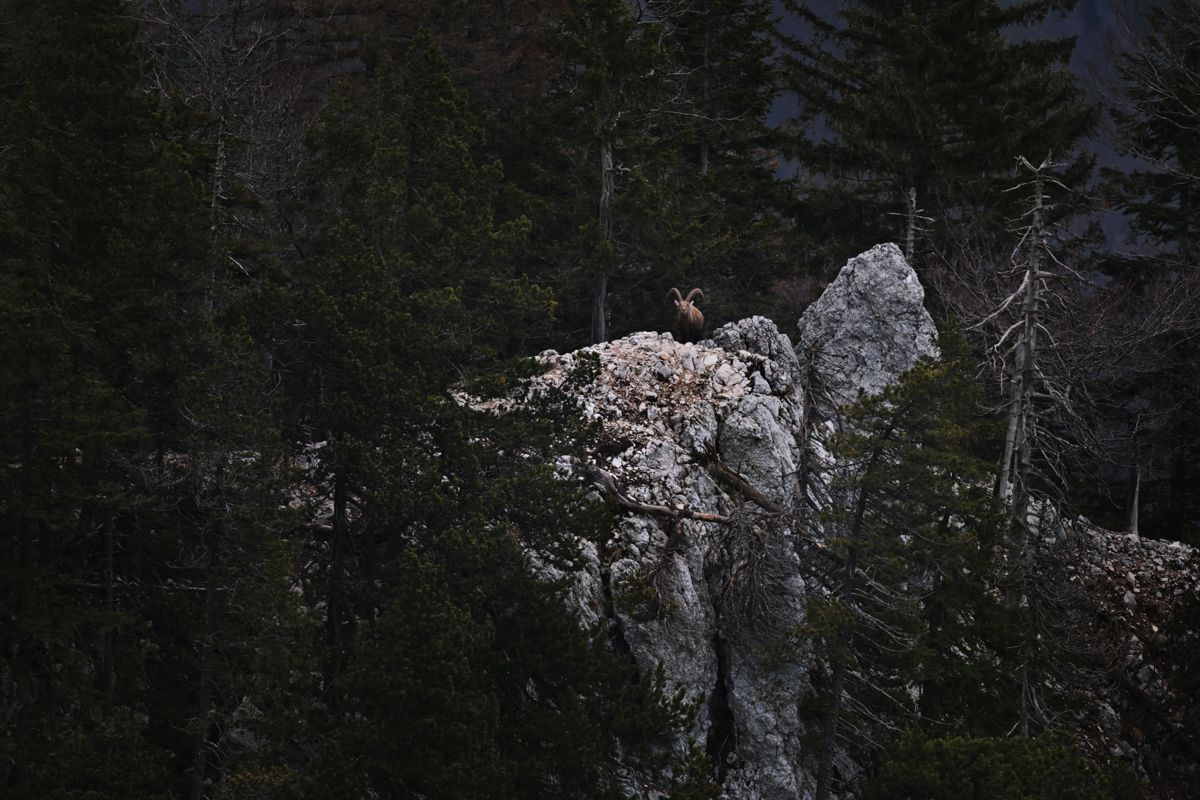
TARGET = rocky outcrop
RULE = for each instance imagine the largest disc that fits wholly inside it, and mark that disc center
(1147, 713)
(704, 447)
(867, 328)
(691, 434)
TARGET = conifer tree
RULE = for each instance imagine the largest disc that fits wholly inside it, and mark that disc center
(932, 98)
(650, 164)
(723, 78)
(966, 768)
(139, 487)
(412, 287)
(1157, 126)
(87, 199)
(912, 629)
(584, 163)
(1156, 285)
(414, 295)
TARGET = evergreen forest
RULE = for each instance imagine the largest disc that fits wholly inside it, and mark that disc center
(254, 252)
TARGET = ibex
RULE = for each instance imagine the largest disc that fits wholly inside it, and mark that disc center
(688, 318)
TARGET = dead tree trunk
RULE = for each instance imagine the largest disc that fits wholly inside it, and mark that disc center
(607, 191)
(1021, 446)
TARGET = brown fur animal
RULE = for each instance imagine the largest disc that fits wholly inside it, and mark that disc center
(688, 318)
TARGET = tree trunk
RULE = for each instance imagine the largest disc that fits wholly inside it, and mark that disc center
(830, 721)
(704, 146)
(1135, 500)
(600, 311)
(1004, 486)
(107, 667)
(335, 587)
(607, 191)
(910, 228)
(202, 719)
(214, 210)
(1023, 540)
(608, 187)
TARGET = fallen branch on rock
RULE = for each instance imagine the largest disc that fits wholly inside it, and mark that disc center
(730, 476)
(608, 484)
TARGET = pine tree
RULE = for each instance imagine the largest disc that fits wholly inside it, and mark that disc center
(723, 78)
(412, 288)
(914, 607)
(1155, 288)
(582, 163)
(413, 295)
(88, 196)
(966, 768)
(141, 485)
(650, 165)
(932, 98)
(1157, 127)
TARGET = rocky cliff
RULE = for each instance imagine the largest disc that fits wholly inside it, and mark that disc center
(713, 451)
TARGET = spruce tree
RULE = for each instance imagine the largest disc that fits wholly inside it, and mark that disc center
(413, 297)
(87, 198)
(411, 287)
(1157, 126)
(140, 484)
(969, 768)
(582, 164)
(724, 76)
(913, 630)
(933, 98)
(650, 165)
(1155, 285)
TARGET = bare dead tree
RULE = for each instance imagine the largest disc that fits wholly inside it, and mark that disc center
(240, 67)
(915, 224)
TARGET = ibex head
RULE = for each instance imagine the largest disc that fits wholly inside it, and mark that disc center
(688, 318)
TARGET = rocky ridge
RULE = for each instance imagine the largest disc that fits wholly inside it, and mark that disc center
(708, 569)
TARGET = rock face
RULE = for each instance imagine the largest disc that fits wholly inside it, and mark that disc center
(671, 412)
(868, 327)
(706, 571)
(712, 585)
(1140, 588)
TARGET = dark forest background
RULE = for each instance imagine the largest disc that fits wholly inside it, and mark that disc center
(247, 248)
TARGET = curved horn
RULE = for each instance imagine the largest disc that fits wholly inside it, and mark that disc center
(675, 292)
(693, 293)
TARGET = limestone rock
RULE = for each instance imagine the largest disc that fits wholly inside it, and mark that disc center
(721, 603)
(868, 327)
(672, 412)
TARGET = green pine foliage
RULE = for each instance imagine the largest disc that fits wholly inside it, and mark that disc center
(141, 485)
(1157, 127)
(966, 768)
(451, 670)
(932, 96)
(1157, 192)
(678, 97)
(915, 631)
(475, 683)
(180, 618)
(723, 157)
(612, 78)
(412, 286)
(91, 195)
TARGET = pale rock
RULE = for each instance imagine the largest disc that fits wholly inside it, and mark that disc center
(868, 327)
(740, 397)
